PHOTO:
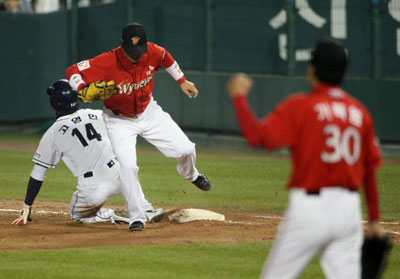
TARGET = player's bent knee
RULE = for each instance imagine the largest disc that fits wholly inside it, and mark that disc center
(187, 149)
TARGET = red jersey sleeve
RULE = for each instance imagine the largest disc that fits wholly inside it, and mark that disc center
(167, 60)
(88, 71)
(169, 63)
(373, 158)
(249, 126)
(274, 131)
(279, 125)
(372, 161)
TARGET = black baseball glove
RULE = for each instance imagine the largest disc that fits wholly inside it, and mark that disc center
(375, 254)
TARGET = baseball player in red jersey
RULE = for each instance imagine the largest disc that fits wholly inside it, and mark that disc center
(334, 151)
(133, 111)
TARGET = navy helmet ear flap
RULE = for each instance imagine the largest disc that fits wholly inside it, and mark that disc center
(49, 90)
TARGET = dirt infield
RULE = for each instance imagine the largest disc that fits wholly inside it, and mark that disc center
(57, 231)
(49, 231)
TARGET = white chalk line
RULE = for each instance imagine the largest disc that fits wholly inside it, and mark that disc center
(243, 223)
(269, 217)
(279, 217)
(383, 223)
(39, 211)
(230, 222)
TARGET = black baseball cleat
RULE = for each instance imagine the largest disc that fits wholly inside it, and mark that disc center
(202, 182)
(136, 226)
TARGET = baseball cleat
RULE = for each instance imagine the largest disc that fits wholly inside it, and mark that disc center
(202, 182)
(120, 216)
(155, 215)
(136, 226)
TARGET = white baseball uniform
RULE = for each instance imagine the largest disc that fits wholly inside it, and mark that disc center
(158, 128)
(133, 112)
(334, 152)
(81, 140)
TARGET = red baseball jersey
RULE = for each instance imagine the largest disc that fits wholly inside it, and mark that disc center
(331, 136)
(135, 81)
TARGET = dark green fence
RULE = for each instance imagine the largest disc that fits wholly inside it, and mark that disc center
(210, 37)
(212, 110)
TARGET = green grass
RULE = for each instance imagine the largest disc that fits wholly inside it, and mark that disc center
(248, 181)
(242, 260)
(189, 261)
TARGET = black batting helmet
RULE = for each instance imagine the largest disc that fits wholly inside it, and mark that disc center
(63, 98)
(330, 61)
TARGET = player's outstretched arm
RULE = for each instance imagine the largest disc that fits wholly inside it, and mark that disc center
(99, 90)
(239, 87)
(25, 216)
(189, 89)
(35, 183)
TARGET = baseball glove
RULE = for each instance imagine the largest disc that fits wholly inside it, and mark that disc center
(99, 90)
(375, 253)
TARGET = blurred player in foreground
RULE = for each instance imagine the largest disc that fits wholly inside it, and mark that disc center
(129, 70)
(334, 151)
(79, 137)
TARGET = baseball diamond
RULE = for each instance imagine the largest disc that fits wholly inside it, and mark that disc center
(200, 139)
(53, 231)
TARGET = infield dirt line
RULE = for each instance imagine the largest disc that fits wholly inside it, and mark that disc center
(249, 223)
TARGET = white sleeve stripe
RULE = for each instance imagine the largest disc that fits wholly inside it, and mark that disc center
(75, 81)
(43, 163)
(175, 71)
(39, 172)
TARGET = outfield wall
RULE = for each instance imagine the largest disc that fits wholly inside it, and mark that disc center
(209, 37)
(212, 110)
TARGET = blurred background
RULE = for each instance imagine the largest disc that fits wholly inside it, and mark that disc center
(210, 39)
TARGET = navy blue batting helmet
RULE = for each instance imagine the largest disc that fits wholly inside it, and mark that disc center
(62, 97)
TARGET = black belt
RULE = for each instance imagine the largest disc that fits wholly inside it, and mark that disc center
(316, 192)
(118, 114)
(88, 174)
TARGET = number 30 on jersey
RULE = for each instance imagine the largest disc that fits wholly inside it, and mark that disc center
(344, 145)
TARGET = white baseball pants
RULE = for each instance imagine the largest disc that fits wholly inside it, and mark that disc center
(158, 128)
(330, 224)
(92, 192)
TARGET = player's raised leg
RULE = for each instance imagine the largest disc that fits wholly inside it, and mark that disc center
(168, 137)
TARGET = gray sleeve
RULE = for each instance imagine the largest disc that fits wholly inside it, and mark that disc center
(47, 153)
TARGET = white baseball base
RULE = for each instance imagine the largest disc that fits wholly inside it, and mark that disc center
(192, 214)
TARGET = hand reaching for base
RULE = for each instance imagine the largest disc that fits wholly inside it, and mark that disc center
(25, 216)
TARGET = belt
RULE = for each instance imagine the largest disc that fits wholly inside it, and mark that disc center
(317, 192)
(88, 174)
(130, 116)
